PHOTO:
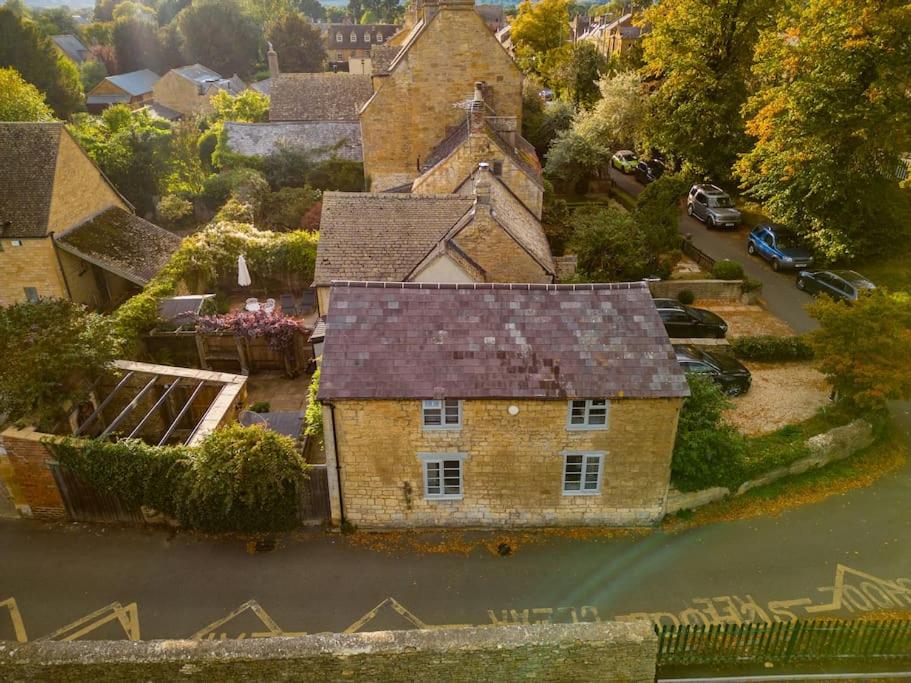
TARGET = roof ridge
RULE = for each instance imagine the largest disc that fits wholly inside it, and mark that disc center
(514, 286)
(398, 195)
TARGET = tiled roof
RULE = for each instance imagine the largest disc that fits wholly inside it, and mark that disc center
(381, 236)
(319, 97)
(381, 57)
(446, 146)
(321, 139)
(198, 73)
(135, 82)
(264, 86)
(71, 46)
(122, 243)
(509, 211)
(426, 341)
(28, 161)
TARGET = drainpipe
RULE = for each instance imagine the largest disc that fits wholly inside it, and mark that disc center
(333, 466)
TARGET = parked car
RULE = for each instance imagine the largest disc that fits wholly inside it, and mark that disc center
(727, 372)
(777, 247)
(648, 171)
(686, 322)
(712, 206)
(839, 284)
(624, 161)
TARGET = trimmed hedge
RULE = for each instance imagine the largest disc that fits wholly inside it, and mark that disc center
(686, 297)
(725, 269)
(770, 348)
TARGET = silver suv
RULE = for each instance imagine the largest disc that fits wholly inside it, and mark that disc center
(712, 206)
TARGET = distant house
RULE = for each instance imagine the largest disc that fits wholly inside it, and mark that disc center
(188, 90)
(613, 38)
(65, 231)
(344, 41)
(493, 16)
(497, 404)
(133, 89)
(71, 47)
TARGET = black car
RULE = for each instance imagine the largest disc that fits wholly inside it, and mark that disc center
(839, 284)
(685, 322)
(648, 171)
(727, 372)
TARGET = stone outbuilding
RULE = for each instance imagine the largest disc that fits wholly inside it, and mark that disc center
(188, 90)
(133, 89)
(497, 404)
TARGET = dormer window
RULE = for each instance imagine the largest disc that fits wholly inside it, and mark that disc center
(353, 36)
(338, 37)
(366, 37)
(379, 37)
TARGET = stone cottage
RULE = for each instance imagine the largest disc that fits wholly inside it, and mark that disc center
(65, 231)
(481, 232)
(498, 404)
(188, 90)
(133, 89)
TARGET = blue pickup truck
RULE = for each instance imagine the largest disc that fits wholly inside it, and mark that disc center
(769, 242)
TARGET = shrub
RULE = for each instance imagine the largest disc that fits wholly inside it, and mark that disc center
(770, 348)
(172, 210)
(726, 269)
(686, 297)
(609, 245)
(285, 209)
(314, 415)
(260, 407)
(750, 284)
(245, 184)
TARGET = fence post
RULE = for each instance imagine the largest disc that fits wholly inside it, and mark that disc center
(792, 640)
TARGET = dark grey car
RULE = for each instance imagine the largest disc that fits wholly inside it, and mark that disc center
(845, 285)
(712, 205)
(727, 372)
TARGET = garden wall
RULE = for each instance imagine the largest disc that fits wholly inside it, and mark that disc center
(835, 444)
(607, 652)
(718, 290)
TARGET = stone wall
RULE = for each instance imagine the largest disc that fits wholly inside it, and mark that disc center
(513, 471)
(34, 482)
(413, 109)
(502, 258)
(718, 290)
(31, 264)
(181, 95)
(609, 652)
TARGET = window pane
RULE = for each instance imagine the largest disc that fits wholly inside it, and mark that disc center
(597, 416)
(577, 412)
(592, 465)
(452, 479)
(452, 412)
(572, 473)
(432, 473)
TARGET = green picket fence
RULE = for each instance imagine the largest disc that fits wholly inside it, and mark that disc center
(787, 641)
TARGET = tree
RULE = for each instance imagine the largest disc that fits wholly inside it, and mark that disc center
(105, 55)
(136, 45)
(609, 245)
(21, 101)
(247, 107)
(298, 43)
(335, 14)
(542, 121)
(168, 9)
(220, 35)
(98, 33)
(831, 117)
(616, 120)
(170, 44)
(573, 160)
(17, 7)
(92, 72)
(863, 347)
(36, 59)
(355, 9)
(135, 10)
(572, 71)
(53, 351)
(310, 8)
(538, 28)
(54, 21)
(382, 11)
(104, 10)
(700, 53)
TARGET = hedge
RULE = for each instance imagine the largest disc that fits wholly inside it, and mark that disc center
(771, 348)
(725, 269)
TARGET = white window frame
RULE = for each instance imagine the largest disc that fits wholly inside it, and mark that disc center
(441, 406)
(587, 457)
(587, 411)
(353, 36)
(339, 38)
(438, 459)
(379, 37)
(366, 36)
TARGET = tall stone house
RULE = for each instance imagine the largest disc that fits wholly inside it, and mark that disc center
(497, 404)
(613, 38)
(344, 42)
(188, 90)
(65, 231)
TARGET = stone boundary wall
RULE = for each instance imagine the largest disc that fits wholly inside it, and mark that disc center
(607, 652)
(35, 493)
(828, 447)
(718, 290)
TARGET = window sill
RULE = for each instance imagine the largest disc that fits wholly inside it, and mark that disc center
(449, 428)
(574, 494)
(443, 499)
(586, 428)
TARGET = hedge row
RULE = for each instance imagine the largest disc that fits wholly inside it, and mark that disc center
(771, 348)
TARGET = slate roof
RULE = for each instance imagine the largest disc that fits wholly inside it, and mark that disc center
(381, 236)
(122, 243)
(381, 57)
(135, 82)
(496, 341)
(321, 139)
(319, 96)
(28, 163)
(71, 46)
(198, 73)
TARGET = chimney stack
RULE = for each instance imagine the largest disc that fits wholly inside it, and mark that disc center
(477, 106)
(482, 186)
(272, 56)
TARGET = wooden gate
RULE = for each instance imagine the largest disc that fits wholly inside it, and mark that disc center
(85, 504)
(313, 498)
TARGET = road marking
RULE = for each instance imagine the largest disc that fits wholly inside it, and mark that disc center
(272, 628)
(841, 599)
(128, 617)
(407, 614)
(16, 619)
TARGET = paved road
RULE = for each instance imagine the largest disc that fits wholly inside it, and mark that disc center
(778, 291)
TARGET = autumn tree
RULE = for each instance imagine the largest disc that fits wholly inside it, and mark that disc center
(538, 28)
(572, 71)
(700, 53)
(218, 34)
(21, 101)
(863, 347)
(298, 43)
(830, 118)
(34, 56)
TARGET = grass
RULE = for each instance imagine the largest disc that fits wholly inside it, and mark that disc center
(887, 455)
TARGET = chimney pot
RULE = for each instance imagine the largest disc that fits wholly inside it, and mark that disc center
(482, 185)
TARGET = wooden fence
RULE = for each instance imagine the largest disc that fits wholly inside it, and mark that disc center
(786, 641)
(313, 497)
(703, 260)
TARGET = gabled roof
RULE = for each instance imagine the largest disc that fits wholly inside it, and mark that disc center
(496, 341)
(71, 46)
(381, 57)
(320, 139)
(28, 163)
(121, 243)
(197, 73)
(135, 82)
(319, 96)
(381, 236)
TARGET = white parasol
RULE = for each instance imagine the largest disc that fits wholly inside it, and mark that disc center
(243, 274)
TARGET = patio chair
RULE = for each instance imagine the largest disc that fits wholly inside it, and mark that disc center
(289, 306)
